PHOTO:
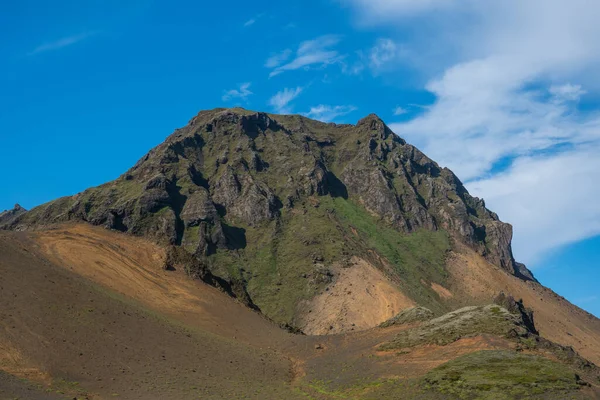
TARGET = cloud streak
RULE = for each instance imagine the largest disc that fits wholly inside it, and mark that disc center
(60, 43)
(314, 53)
(241, 93)
(277, 59)
(281, 100)
(327, 113)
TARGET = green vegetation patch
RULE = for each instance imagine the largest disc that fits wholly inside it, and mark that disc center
(413, 314)
(465, 322)
(289, 260)
(286, 262)
(415, 258)
(493, 374)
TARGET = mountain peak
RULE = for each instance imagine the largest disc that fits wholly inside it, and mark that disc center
(246, 193)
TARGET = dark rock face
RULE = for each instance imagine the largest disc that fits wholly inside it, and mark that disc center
(231, 169)
(6, 217)
(517, 308)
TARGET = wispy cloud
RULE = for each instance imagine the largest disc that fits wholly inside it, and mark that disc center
(384, 51)
(505, 91)
(354, 65)
(281, 100)
(399, 110)
(241, 93)
(60, 43)
(253, 20)
(312, 53)
(277, 59)
(328, 113)
(566, 92)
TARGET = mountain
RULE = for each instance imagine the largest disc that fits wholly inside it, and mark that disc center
(345, 233)
(247, 193)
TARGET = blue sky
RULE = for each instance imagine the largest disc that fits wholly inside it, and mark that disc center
(504, 93)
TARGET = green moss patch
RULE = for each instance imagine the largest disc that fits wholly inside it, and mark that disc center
(502, 375)
(465, 322)
(413, 314)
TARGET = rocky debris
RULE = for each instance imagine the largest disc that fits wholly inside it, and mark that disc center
(410, 315)
(321, 275)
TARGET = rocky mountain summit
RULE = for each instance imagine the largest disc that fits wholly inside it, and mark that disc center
(272, 203)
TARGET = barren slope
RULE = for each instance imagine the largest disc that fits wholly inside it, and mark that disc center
(57, 328)
(474, 280)
(134, 267)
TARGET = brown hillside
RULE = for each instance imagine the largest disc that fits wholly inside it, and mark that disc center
(476, 281)
(91, 313)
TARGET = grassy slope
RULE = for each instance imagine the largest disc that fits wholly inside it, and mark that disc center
(279, 266)
(503, 375)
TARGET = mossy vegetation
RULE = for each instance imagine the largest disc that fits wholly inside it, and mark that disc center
(495, 374)
(283, 258)
(413, 314)
(415, 258)
(467, 321)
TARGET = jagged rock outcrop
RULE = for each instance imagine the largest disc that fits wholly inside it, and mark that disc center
(233, 187)
(518, 308)
(7, 216)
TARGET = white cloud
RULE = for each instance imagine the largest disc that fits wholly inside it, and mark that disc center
(242, 93)
(327, 113)
(505, 93)
(281, 100)
(547, 199)
(253, 20)
(61, 43)
(312, 53)
(277, 59)
(384, 51)
(386, 9)
(567, 92)
(399, 110)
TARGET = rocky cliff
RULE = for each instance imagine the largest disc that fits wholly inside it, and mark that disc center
(270, 201)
